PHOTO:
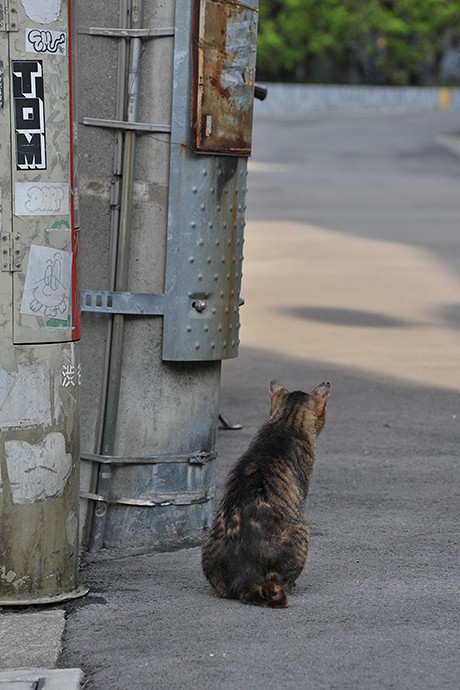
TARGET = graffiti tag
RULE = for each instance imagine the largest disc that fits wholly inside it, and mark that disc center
(45, 41)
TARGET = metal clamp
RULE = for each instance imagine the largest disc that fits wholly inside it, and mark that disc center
(123, 124)
(134, 303)
(126, 33)
(157, 500)
(199, 458)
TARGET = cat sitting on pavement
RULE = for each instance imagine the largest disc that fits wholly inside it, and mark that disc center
(257, 546)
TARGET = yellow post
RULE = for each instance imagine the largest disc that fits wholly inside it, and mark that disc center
(444, 98)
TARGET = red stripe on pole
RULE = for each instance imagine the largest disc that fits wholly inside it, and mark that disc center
(76, 306)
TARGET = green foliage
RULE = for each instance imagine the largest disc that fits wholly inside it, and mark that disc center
(379, 41)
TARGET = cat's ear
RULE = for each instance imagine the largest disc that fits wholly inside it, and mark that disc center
(277, 392)
(276, 387)
(320, 395)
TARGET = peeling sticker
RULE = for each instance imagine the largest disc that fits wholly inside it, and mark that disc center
(25, 397)
(58, 406)
(71, 528)
(48, 282)
(41, 198)
(37, 472)
(60, 225)
(29, 111)
(10, 577)
(46, 41)
(42, 11)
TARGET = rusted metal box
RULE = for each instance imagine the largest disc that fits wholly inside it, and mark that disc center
(224, 53)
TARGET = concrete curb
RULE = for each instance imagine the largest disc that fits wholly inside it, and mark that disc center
(284, 99)
(55, 679)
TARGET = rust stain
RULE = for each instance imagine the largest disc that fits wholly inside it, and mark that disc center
(223, 85)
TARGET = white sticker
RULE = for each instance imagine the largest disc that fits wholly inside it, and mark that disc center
(25, 399)
(41, 198)
(46, 41)
(48, 282)
(37, 472)
(42, 11)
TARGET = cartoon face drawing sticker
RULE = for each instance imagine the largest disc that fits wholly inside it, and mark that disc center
(50, 295)
(48, 282)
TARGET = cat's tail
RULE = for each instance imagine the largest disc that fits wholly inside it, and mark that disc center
(269, 594)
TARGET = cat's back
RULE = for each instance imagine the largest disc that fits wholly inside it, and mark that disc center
(266, 471)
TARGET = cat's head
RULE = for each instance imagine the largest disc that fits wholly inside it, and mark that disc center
(304, 411)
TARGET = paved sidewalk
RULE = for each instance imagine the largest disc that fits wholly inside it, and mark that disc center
(352, 274)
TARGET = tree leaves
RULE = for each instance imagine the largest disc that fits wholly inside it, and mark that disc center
(375, 41)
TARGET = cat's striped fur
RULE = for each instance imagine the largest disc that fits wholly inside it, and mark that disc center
(257, 546)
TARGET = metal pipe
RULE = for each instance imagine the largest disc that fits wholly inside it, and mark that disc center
(121, 279)
(114, 224)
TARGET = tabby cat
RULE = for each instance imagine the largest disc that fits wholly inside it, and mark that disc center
(257, 546)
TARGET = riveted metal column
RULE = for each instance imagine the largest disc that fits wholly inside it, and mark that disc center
(155, 461)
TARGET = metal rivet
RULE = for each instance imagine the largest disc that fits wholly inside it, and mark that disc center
(199, 305)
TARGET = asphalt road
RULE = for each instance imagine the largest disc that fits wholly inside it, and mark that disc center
(352, 274)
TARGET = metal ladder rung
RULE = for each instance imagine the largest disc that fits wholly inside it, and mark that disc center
(126, 33)
(123, 124)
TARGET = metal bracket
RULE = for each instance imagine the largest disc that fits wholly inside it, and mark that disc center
(134, 303)
(126, 33)
(11, 251)
(123, 124)
(8, 15)
(158, 500)
(199, 458)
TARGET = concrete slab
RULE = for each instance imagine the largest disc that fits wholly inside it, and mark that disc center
(41, 679)
(31, 640)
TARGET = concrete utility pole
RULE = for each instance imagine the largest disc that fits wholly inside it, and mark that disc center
(39, 305)
(165, 100)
